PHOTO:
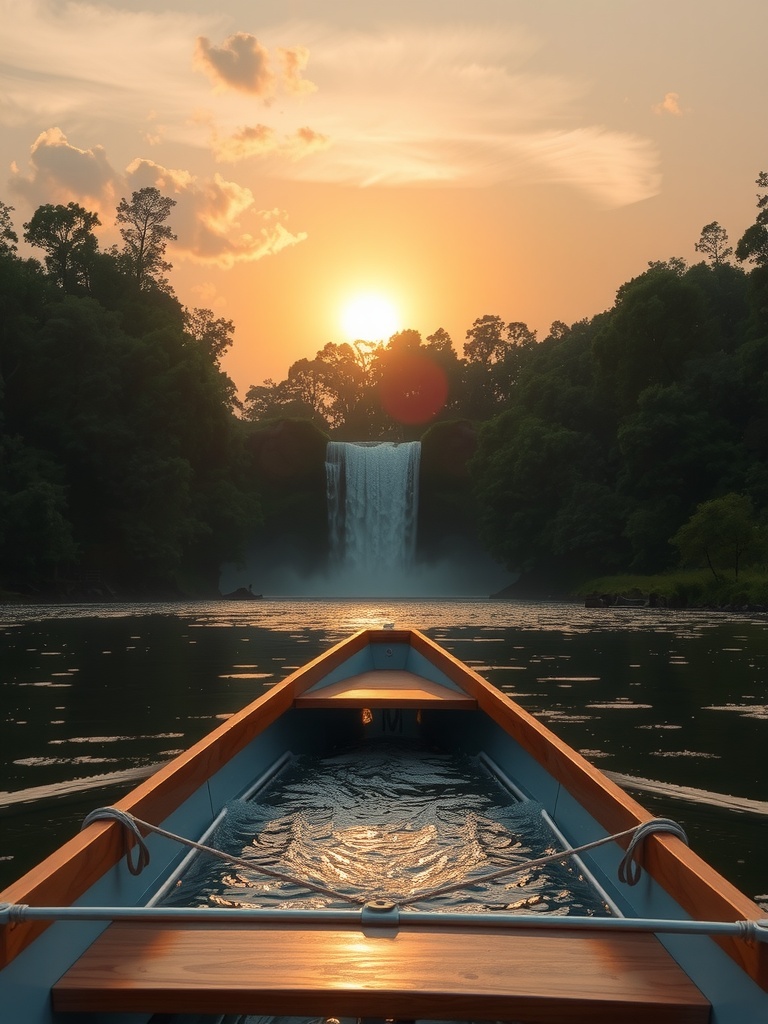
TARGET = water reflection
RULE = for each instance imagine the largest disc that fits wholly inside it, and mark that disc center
(94, 694)
(391, 821)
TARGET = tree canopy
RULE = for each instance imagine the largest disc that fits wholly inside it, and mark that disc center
(125, 447)
(119, 450)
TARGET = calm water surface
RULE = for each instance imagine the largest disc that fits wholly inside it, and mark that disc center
(92, 696)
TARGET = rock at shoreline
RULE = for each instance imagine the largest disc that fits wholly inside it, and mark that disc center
(242, 594)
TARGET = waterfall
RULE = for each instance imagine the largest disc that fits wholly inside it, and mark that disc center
(373, 492)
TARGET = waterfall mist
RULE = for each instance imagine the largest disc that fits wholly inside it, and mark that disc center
(372, 493)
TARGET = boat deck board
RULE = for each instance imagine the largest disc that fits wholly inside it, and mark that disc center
(385, 688)
(526, 976)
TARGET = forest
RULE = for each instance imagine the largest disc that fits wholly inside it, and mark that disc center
(634, 441)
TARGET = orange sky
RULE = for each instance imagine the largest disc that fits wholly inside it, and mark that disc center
(523, 161)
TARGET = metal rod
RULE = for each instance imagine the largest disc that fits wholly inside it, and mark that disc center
(753, 929)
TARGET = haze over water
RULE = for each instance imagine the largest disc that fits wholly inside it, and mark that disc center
(91, 696)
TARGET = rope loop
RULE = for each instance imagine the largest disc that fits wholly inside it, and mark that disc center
(630, 869)
(133, 826)
(132, 831)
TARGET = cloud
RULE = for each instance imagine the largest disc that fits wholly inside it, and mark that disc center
(60, 172)
(92, 60)
(211, 214)
(439, 104)
(461, 106)
(615, 168)
(294, 60)
(241, 63)
(216, 220)
(244, 64)
(260, 140)
(669, 105)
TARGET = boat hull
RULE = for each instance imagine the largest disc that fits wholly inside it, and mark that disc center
(376, 684)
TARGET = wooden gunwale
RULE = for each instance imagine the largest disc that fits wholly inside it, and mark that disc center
(63, 877)
(698, 888)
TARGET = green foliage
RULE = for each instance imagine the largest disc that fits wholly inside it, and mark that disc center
(145, 236)
(753, 244)
(543, 495)
(35, 532)
(287, 459)
(8, 237)
(586, 451)
(119, 452)
(447, 503)
(683, 588)
(723, 533)
(658, 323)
(65, 234)
(714, 243)
(617, 428)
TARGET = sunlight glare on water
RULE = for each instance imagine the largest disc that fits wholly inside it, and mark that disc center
(92, 696)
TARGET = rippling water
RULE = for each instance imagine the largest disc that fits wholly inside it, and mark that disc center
(677, 702)
(388, 822)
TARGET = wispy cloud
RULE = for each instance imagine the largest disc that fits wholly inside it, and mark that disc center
(461, 106)
(260, 140)
(92, 60)
(434, 105)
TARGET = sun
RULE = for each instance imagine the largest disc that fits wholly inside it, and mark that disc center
(370, 317)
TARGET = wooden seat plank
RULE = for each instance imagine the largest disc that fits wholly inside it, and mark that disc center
(527, 976)
(385, 688)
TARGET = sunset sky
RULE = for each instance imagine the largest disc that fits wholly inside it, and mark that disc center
(521, 158)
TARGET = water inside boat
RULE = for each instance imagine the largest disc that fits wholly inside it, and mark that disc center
(387, 821)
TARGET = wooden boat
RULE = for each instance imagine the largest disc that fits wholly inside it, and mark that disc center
(82, 935)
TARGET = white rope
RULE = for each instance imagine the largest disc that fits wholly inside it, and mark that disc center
(134, 824)
(629, 869)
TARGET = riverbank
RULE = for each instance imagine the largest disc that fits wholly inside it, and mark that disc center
(681, 589)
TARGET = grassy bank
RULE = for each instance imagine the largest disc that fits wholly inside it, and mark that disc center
(687, 588)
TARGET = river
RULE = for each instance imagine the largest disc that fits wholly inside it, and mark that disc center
(674, 704)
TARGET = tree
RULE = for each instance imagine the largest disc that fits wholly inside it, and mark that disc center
(146, 235)
(485, 342)
(675, 264)
(440, 341)
(658, 323)
(307, 384)
(722, 532)
(753, 244)
(214, 335)
(66, 235)
(35, 532)
(8, 237)
(263, 401)
(714, 244)
(674, 452)
(543, 504)
(346, 372)
(558, 331)
(495, 354)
